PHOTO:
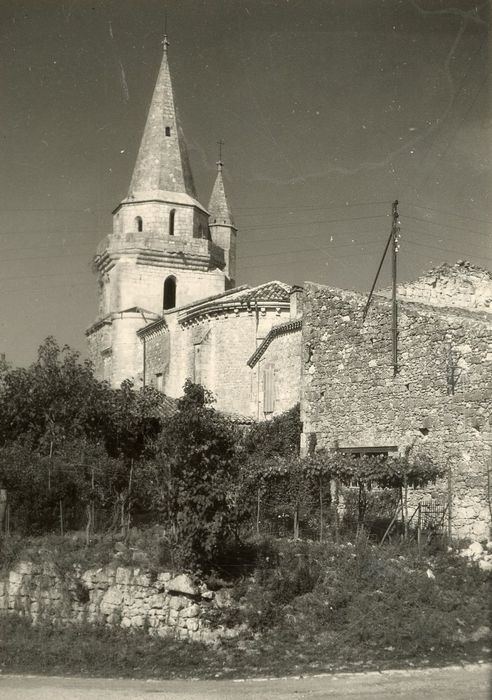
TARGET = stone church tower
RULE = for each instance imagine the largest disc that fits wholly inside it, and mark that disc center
(165, 249)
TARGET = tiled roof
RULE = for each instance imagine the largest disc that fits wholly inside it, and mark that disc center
(267, 293)
(270, 291)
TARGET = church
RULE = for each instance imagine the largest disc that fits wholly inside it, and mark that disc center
(169, 308)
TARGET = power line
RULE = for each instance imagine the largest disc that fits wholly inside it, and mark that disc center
(353, 254)
(442, 237)
(43, 289)
(51, 274)
(450, 213)
(445, 225)
(309, 223)
(442, 250)
(345, 205)
(309, 250)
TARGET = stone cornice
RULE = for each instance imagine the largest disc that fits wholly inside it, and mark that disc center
(193, 253)
(108, 320)
(152, 328)
(230, 307)
(282, 329)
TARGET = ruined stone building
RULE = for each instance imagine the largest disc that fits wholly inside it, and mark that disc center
(440, 401)
(169, 308)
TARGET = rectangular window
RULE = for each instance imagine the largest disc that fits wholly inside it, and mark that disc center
(268, 389)
(158, 382)
(197, 369)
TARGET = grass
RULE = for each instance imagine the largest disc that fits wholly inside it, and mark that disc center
(102, 652)
(309, 608)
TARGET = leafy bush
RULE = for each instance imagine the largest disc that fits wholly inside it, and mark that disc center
(363, 596)
(197, 466)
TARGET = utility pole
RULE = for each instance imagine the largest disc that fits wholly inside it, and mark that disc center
(395, 240)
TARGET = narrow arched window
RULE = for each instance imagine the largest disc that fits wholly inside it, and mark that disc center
(172, 216)
(139, 223)
(169, 296)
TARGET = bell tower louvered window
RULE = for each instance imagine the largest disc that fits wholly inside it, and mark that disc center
(172, 218)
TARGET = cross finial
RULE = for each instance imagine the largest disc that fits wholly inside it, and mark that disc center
(165, 42)
(220, 164)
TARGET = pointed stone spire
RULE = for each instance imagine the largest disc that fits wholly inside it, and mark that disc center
(162, 161)
(220, 212)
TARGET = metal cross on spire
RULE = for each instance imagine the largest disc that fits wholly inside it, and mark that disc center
(220, 164)
(165, 42)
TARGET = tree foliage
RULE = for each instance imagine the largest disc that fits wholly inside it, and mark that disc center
(70, 442)
(57, 398)
(277, 437)
(197, 464)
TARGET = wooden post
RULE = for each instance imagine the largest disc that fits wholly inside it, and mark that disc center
(388, 529)
(337, 514)
(129, 496)
(88, 526)
(296, 521)
(402, 510)
(3, 508)
(450, 500)
(92, 505)
(49, 465)
(61, 517)
(394, 304)
(258, 506)
(405, 504)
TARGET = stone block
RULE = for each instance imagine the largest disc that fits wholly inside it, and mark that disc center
(123, 575)
(111, 599)
(177, 602)
(25, 568)
(183, 583)
(191, 611)
(192, 624)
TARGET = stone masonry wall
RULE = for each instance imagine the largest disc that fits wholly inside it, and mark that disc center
(439, 404)
(460, 285)
(161, 603)
(284, 356)
(214, 350)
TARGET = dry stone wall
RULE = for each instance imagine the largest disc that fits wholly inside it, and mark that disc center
(438, 405)
(161, 603)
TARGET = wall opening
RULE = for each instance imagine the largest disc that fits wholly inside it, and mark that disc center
(172, 217)
(139, 223)
(268, 389)
(168, 131)
(169, 295)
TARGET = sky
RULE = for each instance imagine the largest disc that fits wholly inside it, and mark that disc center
(329, 111)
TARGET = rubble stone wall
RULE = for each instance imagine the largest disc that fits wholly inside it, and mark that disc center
(161, 603)
(438, 404)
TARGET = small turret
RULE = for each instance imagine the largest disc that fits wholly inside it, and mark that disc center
(222, 229)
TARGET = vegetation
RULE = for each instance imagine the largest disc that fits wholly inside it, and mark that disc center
(308, 607)
(197, 465)
(77, 455)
